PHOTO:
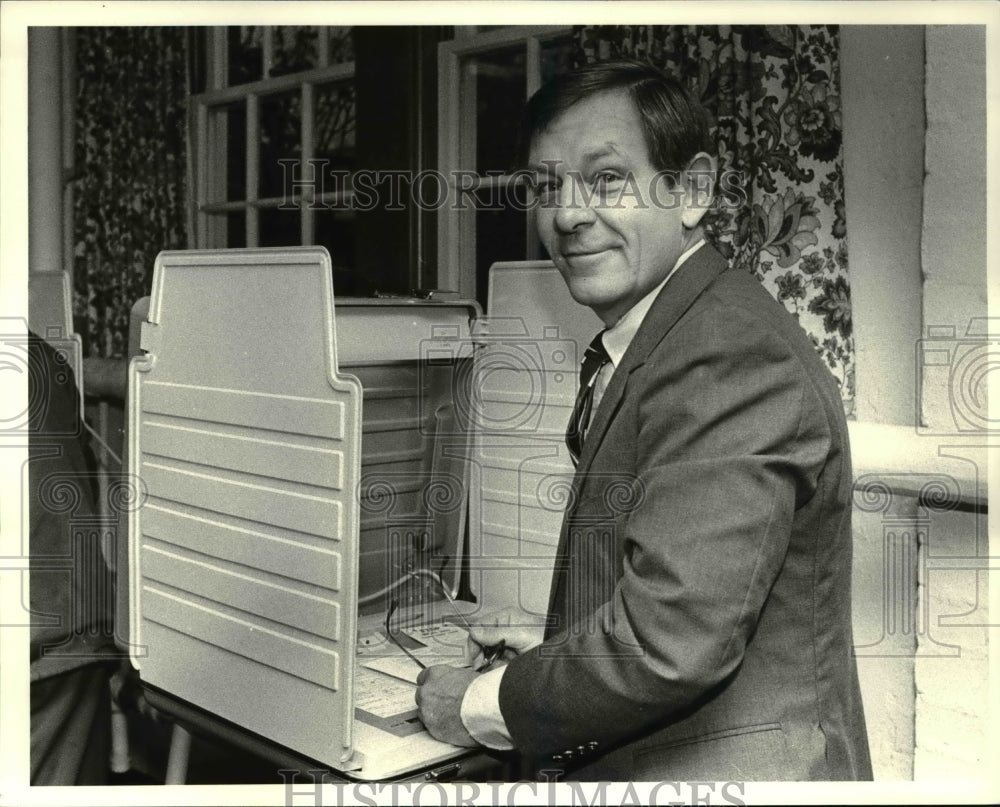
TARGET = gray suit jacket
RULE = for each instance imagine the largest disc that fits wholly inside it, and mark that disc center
(700, 614)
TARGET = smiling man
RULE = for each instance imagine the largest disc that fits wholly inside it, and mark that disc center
(608, 216)
(702, 630)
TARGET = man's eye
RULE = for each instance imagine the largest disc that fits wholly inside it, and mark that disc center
(546, 187)
(605, 179)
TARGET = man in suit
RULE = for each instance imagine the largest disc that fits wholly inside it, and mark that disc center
(701, 629)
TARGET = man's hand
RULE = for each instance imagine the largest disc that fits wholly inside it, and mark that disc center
(440, 690)
(517, 637)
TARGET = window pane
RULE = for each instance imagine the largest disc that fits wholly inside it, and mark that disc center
(501, 232)
(246, 54)
(557, 57)
(295, 48)
(500, 80)
(335, 231)
(340, 44)
(500, 87)
(236, 233)
(335, 125)
(226, 229)
(279, 228)
(280, 139)
(227, 153)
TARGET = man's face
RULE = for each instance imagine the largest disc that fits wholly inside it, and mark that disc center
(613, 229)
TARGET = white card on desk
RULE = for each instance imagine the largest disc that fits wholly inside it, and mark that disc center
(442, 641)
(442, 644)
(396, 666)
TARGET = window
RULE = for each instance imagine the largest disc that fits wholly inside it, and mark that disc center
(484, 79)
(277, 114)
(290, 115)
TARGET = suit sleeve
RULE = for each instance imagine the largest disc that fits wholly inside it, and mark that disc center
(730, 438)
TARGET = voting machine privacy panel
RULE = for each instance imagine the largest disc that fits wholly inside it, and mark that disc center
(304, 462)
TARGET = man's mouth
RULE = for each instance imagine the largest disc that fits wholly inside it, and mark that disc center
(583, 253)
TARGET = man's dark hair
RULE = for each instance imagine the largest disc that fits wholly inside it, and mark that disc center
(674, 124)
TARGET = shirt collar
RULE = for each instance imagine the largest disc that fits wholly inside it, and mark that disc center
(619, 336)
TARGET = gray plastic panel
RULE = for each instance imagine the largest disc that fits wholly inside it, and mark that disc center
(532, 340)
(409, 356)
(244, 554)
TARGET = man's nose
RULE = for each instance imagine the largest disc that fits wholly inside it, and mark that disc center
(573, 207)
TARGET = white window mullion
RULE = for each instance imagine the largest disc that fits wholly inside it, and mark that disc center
(534, 81)
(467, 132)
(323, 46)
(267, 51)
(253, 170)
(67, 51)
(218, 57)
(290, 81)
(204, 237)
(450, 111)
(533, 67)
(307, 214)
(213, 231)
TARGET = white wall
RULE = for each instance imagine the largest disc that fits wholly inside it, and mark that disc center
(882, 97)
(914, 104)
(954, 242)
(882, 91)
(45, 180)
(951, 669)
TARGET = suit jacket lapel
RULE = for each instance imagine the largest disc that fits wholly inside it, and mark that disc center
(676, 297)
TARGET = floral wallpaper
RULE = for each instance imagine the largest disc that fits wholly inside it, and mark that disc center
(130, 192)
(773, 96)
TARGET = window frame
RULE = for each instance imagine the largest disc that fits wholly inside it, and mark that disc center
(457, 139)
(209, 146)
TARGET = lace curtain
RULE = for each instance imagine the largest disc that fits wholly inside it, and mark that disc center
(773, 95)
(130, 198)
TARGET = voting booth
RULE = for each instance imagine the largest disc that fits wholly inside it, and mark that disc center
(328, 488)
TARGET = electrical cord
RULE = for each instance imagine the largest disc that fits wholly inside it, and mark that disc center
(399, 581)
(101, 442)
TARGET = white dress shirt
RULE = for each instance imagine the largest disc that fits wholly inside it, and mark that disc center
(480, 710)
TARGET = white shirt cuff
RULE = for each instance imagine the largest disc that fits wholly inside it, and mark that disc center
(480, 711)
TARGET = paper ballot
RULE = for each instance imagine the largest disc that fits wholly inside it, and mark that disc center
(385, 680)
(397, 666)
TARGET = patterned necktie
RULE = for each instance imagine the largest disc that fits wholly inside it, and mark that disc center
(594, 358)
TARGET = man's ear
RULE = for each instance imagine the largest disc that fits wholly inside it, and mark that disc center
(699, 188)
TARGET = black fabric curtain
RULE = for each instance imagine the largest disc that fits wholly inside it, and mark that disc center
(131, 156)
